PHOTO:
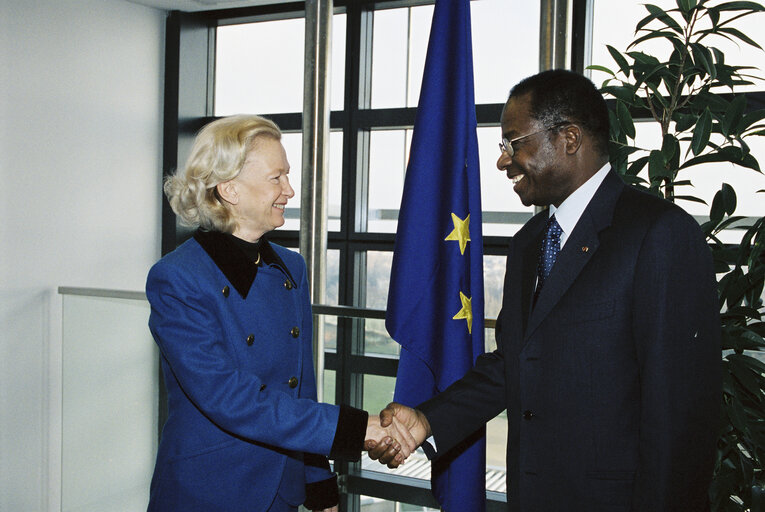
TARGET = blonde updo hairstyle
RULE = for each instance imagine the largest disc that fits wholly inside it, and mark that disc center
(217, 156)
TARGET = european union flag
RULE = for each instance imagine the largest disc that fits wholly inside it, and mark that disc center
(435, 302)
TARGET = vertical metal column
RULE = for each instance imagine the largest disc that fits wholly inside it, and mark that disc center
(313, 204)
(553, 34)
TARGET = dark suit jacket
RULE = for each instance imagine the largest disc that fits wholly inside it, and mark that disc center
(612, 382)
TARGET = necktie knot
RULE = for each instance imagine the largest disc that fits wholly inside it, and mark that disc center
(549, 251)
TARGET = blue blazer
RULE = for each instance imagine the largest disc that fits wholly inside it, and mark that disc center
(612, 381)
(236, 346)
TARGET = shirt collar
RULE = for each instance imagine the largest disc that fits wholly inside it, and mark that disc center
(233, 261)
(570, 210)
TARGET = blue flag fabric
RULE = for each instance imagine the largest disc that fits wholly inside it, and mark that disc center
(435, 301)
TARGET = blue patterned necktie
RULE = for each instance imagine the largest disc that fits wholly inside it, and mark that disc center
(548, 253)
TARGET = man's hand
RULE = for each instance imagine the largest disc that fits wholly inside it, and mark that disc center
(412, 420)
(332, 509)
(393, 441)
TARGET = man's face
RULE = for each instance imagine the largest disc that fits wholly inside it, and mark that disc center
(538, 165)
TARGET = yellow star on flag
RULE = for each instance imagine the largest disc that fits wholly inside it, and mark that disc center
(461, 231)
(466, 312)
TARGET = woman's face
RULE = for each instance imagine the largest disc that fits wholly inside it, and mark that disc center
(262, 190)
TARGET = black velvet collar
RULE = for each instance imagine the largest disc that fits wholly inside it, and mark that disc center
(233, 261)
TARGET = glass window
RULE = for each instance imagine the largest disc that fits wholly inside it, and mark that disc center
(329, 386)
(389, 58)
(505, 46)
(254, 73)
(377, 341)
(398, 62)
(378, 392)
(333, 276)
(493, 283)
(259, 66)
(387, 166)
(378, 279)
(614, 24)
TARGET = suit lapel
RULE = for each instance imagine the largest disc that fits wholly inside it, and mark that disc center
(580, 247)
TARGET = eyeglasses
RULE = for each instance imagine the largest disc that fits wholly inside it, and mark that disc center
(507, 145)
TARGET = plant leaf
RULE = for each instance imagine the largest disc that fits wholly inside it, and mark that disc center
(601, 68)
(717, 211)
(728, 198)
(700, 58)
(740, 35)
(690, 198)
(620, 60)
(702, 132)
(740, 6)
(653, 35)
(625, 119)
(665, 18)
(734, 115)
(624, 93)
(751, 118)
(657, 169)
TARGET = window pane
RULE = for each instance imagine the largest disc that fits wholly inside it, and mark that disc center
(378, 392)
(398, 62)
(330, 331)
(496, 450)
(614, 24)
(335, 180)
(378, 279)
(259, 66)
(493, 282)
(389, 63)
(377, 341)
(505, 46)
(333, 277)
(387, 166)
(329, 386)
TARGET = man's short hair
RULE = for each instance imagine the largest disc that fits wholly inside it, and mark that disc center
(560, 95)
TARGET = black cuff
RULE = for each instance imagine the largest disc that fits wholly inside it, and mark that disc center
(350, 433)
(316, 461)
(322, 494)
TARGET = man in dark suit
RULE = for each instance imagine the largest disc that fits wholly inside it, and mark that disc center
(608, 341)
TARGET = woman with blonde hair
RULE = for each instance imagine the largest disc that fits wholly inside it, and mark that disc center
(231, 315)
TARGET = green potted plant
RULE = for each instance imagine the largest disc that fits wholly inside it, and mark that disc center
(692, 93)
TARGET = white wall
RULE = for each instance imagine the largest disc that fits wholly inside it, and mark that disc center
(80, 159)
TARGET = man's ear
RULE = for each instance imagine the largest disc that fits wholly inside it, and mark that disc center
(573, 137)
(227, 191)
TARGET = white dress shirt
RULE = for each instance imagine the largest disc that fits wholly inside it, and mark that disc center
(570, 210)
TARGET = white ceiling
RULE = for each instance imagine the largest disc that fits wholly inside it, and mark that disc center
(203, 5)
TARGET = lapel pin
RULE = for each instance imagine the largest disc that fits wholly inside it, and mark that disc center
(585, 248)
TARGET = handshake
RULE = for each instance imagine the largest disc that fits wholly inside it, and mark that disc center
(393, 435)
